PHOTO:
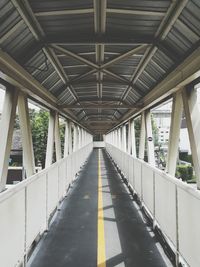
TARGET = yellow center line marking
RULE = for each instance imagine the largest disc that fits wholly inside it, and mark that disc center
(101, 257)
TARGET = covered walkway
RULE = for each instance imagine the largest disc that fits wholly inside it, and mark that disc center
(99, 67)
(76, 236)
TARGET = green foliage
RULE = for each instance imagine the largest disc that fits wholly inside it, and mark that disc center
(39, 126)
(155, 130)
(62, 137)
(184, 172)
(185, 157)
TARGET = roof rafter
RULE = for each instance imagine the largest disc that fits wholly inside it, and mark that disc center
(91, 10)
(103, 106)
(171, 16)
(93, 65)
(35, 28)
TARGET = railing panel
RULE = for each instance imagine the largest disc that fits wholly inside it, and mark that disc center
(189, 226)
(165, 206)
(130, 171)
(173, 204)
(137, 175)
(148, 187)
(52, 189)
(36, 208)
(62, 179)
(69, 169)
(25, 208)
(12, 229)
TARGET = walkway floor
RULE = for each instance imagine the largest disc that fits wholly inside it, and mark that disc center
(116, 230)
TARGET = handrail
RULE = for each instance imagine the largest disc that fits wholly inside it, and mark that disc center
(26, 208)
(172, 204)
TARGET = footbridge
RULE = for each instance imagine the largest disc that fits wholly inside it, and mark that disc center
(100, 199)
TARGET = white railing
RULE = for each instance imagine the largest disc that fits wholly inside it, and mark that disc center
(173, 205)
(26, 208)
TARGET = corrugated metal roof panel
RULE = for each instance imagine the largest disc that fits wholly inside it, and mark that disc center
(64, 24)
(150, 5)
(19, 41)
(46, 5)
(9, 17)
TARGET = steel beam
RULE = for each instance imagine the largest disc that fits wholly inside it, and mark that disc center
(66, 145)
(133, 141)
(6, 132)
(27, 143)
(192, 114)
(176, 116)
(149, 138)
(124, 141)
(64, 12)
(57, 138)
(142, 137)
(129, 137)
(123, 56)
(102, 106)
(164, 28)
(70, 138)
(50, 140)
(105, 39)
(185, 73)
(134, 12)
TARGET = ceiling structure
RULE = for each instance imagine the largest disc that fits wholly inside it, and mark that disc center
(97, 61)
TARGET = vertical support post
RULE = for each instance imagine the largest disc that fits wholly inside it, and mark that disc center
(177, 110)
(124, 144)
(75, 138)
(70, 138)
(142, 137)
(119, 138)
(149, 134)
(129, 137)
(50, 140)
(66, 145)
(27, 143)
(133, 143)
(79, 137)
(6, 132)
(57, 138)
(192, 114)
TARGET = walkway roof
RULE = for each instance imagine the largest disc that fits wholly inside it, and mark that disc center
(99, 61)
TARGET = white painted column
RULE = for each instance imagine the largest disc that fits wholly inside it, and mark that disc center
(119, 138)
(176, 115)
(79, 137)
(192, 114)
(27, 143)
(57, 138)
(66, 145)
(142, 136)
(150, 141)
(70, 138)
(115, 137)
(133, 142)
(50, 140)
(75, 139)
(129, 137)
(124, 144)
(6, 132)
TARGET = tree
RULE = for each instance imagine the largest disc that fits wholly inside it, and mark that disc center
(39, 125)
